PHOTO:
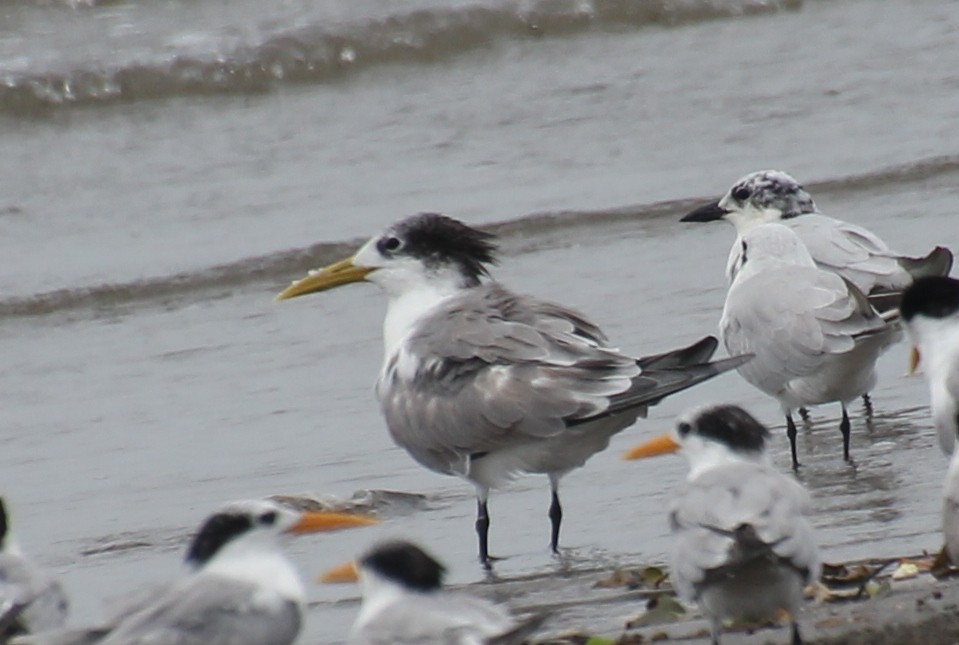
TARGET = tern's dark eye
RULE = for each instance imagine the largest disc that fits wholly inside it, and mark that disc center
(268, 518)
(684, 429)
(390, 244)
(742, 193)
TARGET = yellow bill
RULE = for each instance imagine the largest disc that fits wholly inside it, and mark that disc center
(661, 445)
(319, 522)
(329, 277)
(345, 572)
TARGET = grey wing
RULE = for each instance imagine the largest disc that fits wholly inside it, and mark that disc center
(30, 598)
(851, 251)
(790, 318)
(493, 366)
(140, 600)
(711, 517)
(447, 619)
(209, 610)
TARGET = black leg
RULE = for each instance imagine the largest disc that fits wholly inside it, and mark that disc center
(804, 414)
(482, 531)
(715, 629)
(555, 519)
(844, 429)
(797, 638)
(867, 404)
(791, 433)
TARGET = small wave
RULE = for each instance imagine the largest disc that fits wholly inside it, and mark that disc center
(280, 267)
(316, 54)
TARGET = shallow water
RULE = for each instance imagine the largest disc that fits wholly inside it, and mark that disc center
(149, 376)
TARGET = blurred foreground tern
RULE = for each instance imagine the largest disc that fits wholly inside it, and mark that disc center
(31, 599)
(858, 255)
(404, 602)
(814, 335)
(742, 547)
(239, 589)
(483, 383)
(930, 312)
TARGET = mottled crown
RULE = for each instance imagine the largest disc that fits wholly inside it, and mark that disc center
(772, 189)
(727, 424)
(406, 564)
(437, 239)
(933, 297)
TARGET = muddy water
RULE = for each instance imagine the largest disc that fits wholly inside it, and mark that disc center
(148, 376)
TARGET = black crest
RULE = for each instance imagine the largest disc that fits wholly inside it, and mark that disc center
(406, 564)
(437, 239)
(935, 297)
(733, 426)
(4, 526)
(218, 530)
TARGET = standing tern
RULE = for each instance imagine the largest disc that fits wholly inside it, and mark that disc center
(930, 312)
(239, 588)
(815, 336)
(404, 602)
(31, 599)
(743, 548)
(853, 252)
(483, 383)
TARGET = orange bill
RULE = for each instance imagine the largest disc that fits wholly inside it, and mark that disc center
(318, 522)
(334, 275)
(345, 572)
(661, 445)
(913, 360)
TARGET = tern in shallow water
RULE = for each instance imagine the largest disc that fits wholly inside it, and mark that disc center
(853, 252)
(930, 312)
(742, 548)
(814, 335)
(31, 599)
(483, 383)
(239, 589)
(404, 602)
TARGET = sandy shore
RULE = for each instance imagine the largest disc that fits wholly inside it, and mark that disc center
(921, 608)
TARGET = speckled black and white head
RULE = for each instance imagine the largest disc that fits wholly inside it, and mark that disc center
(717, 434)
(727, 424)
(252, 525)
(930, 312)
(423, 249)
(248, 520)
(759, 197)
(709, 436)
(931, 298)
(418, 262)
(401, 563)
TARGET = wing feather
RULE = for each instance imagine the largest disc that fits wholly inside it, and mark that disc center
(706, 517)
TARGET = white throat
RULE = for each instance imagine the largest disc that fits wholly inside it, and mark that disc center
(709, 454)
(406, 308)
(257, 560)
(378, 594)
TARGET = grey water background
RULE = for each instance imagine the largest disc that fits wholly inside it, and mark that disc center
(167, 167)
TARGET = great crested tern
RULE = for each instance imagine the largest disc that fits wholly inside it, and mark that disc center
(483, 383)
(814, 335)
(742, 548)
(404, 602)
(239, 588)
(930, 312)
(855, 253)
(31, 598)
